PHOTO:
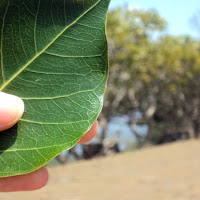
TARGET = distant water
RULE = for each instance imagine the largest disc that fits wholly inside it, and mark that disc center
(119, 131)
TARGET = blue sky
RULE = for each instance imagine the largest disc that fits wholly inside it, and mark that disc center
(178, 13)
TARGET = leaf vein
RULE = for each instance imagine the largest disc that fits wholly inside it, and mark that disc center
(39, 148)
(20, 37)
(35, 26)
(24, 159)
(2, 30)
(86, 56)
(44, 49)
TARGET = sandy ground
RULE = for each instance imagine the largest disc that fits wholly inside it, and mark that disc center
(169, 172)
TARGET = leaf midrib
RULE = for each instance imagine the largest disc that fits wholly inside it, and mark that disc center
(45, 48)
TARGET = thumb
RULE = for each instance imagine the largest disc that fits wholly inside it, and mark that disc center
(11, 110)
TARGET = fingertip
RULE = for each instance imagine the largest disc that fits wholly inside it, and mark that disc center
(39, 180)
(90, 134)
(28, 182)
(11, 110)
(33, 181)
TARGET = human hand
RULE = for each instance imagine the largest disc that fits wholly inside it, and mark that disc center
(11, 110)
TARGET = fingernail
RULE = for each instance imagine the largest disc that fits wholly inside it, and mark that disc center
(11, 109)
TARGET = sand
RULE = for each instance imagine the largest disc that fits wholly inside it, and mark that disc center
(168, 172)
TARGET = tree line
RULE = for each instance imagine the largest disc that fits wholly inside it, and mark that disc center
(153, 73)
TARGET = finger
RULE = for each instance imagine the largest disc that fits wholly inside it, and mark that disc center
(90, 134)
(11, 110)
(27, 182)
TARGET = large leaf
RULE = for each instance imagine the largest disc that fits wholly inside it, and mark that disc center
(54, 56)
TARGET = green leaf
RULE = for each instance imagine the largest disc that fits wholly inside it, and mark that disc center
(54, 56)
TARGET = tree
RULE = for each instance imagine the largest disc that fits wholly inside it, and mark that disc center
(130, 34)
(157, 75)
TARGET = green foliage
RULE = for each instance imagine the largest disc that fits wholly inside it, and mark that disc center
(152, 72)
(132, 53)
(53, 56)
